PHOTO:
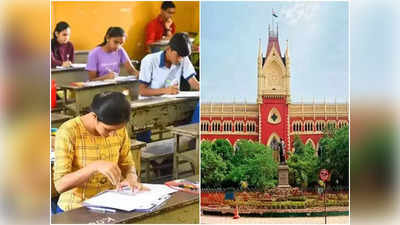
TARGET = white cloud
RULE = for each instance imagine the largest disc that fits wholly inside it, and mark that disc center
(300, 12)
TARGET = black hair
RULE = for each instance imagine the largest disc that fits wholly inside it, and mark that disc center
(111, 108)
(167, 4)
(59, 28)
(181, 44)
(112, 32)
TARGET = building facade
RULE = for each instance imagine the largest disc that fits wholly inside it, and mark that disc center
(273, 118)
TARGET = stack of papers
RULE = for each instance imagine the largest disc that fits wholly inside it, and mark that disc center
(98, 83)
(143, 201)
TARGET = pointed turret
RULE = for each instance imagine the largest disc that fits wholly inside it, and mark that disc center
(287, 62)
(273, 41)
(259, 71)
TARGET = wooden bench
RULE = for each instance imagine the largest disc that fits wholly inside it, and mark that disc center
(160, 151)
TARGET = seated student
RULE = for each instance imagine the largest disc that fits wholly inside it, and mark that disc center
(160, 72)
(104, 61)
(62, 50)
(92, 152)
(162, 27)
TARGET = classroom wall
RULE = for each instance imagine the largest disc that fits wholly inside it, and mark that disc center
(90, 20)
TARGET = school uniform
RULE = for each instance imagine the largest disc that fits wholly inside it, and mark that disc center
(155, 73)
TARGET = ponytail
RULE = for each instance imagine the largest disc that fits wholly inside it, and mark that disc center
(112, 32)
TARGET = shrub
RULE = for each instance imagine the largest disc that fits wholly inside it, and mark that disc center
(297, 198)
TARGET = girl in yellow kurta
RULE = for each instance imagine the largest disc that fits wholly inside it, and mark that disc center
(93, 152)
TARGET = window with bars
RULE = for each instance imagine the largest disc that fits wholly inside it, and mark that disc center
(308, 126)
(296, 126)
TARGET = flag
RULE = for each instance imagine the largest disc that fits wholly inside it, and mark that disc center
(274, 14)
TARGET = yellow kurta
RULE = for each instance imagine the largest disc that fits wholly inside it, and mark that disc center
(76, 148)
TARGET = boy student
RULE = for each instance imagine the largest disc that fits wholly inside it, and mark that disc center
(160, 72)
(104, 61)
(162, 27)
(93, 152)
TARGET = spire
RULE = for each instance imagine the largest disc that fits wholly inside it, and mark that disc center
(273, 40)
(287, 50)
(277, 31)
(259, 51)
(259, 71)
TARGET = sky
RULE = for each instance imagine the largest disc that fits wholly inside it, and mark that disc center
(318, 46)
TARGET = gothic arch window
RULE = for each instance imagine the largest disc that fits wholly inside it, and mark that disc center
(227, 126)
(342, 123)
(274, 117)
(274, 75)
(205, 125)
(310, 141)
(320, 125)
(296, 126)
(308, 125)
(216, 126)
(239, 126)
(273, 136)
(331, 124)
(250, 126)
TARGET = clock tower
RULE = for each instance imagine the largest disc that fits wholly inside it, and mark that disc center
(273, 94)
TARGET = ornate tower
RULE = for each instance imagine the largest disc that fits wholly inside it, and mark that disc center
(273, 95)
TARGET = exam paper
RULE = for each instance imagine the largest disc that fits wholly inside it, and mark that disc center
(73, 65)
(129, 201)
(184, 94)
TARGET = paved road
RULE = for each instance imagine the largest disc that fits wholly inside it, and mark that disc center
(208, 219)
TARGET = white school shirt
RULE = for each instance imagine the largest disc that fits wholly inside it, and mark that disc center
(156, 74)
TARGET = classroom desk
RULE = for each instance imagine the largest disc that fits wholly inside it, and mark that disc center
(64, 76)
(84, 95)
(57, 119)
(191, 131)
(181, 208)
(157, 113)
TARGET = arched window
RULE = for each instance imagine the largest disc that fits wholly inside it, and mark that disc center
(216, 126)
(308, 126)
(320, 125)
(227, 126)
(331, 124)
(296, 126)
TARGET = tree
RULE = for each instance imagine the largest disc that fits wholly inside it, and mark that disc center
(213, 167)
(298, 145)
(303, 164)
(254, 164)
(335, 154)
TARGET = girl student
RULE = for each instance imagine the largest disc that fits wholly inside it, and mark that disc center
(62, 50)
(104, 61)
(93, 152)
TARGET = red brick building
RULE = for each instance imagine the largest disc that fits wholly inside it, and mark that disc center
(273, 116)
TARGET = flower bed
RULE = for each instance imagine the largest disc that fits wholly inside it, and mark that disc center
(275, 201)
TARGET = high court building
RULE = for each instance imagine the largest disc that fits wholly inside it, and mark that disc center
(273, 117)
